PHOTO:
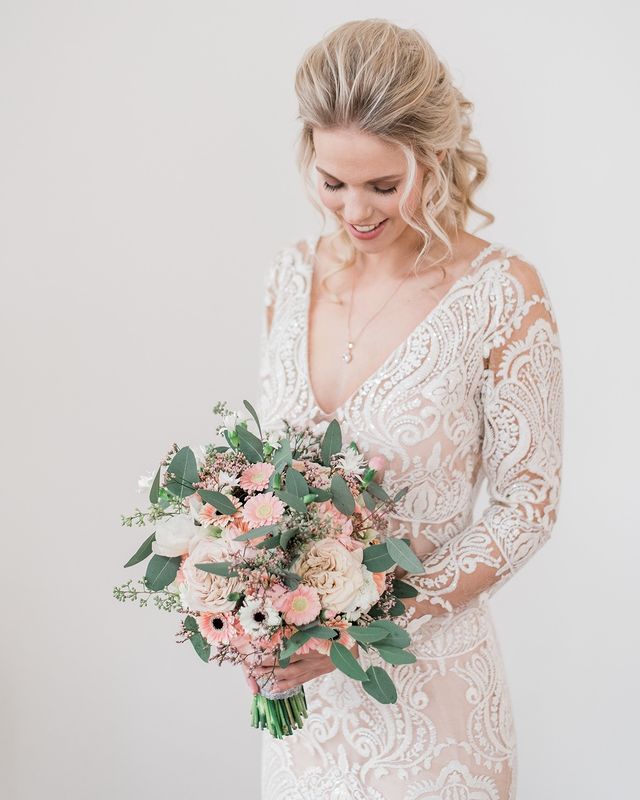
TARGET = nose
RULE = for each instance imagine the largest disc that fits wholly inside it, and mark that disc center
(357, 209)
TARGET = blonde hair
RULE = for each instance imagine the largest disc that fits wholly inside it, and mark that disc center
(388, 81)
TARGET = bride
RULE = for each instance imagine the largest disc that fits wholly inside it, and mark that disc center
(438, 352)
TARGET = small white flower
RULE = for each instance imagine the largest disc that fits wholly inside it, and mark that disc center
(226, 481)
(272, 438)
(352, 461)
(258, 618)
(145, 481)
(200, 452)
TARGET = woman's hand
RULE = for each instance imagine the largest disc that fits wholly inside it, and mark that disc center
(299, 670)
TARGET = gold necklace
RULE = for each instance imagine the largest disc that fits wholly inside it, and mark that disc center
(347, 356)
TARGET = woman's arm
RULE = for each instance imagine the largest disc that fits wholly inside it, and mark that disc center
(521, 452)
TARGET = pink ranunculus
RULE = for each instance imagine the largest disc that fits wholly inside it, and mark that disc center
(379, 463)
(263, 509)
(300, 606)
(255, 478)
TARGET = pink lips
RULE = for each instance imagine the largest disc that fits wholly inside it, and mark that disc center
(371, 234)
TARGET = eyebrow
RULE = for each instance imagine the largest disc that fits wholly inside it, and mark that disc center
(373, 180)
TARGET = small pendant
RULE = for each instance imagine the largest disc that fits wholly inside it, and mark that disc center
(346, 356)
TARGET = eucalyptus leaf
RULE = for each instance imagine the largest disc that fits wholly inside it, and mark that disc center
(282, 457)
(396, 636)
(201, 646)
(341, 495)
(222, 568)
(270, 543)
(295, 483)
(380, 686)
(292, 501)
(287, 536)
(291, 580)
(321, 632)
(397, 609)
(190, 624)
(377, 490)
(255, 532)
(154, 494)
(331, 442)
(346, 662)
(376, 558)
(184, 471)
(365, 635)
(321, 494)
(221, 502)
(297, 640)
(400, 494)
(250, 445)
(142, 552)
(404, 556)
(369, 500)
(253, 413)
(402, 589)
(161, 571)
(395, 655)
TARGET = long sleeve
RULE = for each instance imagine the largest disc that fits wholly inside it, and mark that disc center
(522, 407)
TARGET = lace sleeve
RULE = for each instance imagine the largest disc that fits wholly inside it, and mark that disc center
(522, 401)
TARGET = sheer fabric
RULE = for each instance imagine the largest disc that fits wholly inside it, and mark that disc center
(474, 391)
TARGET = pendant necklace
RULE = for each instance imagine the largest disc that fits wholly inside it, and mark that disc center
(347, 356)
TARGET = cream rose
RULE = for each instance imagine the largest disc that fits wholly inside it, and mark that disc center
(204, 591)
(334, 572)
(174, 534)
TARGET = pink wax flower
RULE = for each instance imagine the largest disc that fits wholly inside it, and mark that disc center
(300, 606)
(263, 509)
(256, 477)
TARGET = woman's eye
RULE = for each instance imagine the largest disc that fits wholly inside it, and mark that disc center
(334, 188)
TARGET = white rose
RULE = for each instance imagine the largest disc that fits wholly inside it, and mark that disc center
(204, 591)
(334, 571)
(173, 535)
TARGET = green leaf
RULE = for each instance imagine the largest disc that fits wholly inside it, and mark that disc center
(397, 609)
(142, 552)
(154, 494)
(255, 532)
(345, 662)
(219, 568)
(292, 501)
(233, 597)
(200, 645)
(320, 632)
(377, 490)
(221, 502)
(291, 580)
(331, 442)
(295, 483)
(282, 457)
(297, 640)
(380, 686)
(270, 543)
(395, 655)
(287, 536)
(365, 635)
(321, 494)
(376, 558)
(183, 467)
(250, 445)
(190, 624)
(396, 636)
(252, 411)
(400, 494)
(161, 571)
(341, 495)
(369, 500)
(404, 556)
(402, 589)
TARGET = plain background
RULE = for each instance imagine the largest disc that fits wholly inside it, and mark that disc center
(147, 178)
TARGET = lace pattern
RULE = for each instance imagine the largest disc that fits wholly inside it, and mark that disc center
(473, 392)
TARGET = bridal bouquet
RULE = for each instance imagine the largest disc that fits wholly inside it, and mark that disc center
(271, 545)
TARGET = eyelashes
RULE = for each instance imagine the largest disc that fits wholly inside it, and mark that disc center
(334, 188)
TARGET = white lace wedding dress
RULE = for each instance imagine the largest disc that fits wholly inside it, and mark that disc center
(474, 390)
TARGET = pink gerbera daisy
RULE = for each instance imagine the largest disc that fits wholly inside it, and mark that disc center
(256, 477)
(300, 606)
(263, 509)
(216, 628)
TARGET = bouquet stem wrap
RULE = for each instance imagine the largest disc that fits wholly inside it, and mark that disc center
(280, 712)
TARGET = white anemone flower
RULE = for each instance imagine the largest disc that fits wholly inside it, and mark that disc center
(258, 618)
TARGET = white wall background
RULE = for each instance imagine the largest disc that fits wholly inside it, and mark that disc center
(146, 179)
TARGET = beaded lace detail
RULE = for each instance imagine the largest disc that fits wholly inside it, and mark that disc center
(474, 391)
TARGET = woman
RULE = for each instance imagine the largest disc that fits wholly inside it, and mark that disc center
(438, 351)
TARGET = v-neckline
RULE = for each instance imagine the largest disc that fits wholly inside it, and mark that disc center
(308, 262)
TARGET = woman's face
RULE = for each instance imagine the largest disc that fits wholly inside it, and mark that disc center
(360, 179)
